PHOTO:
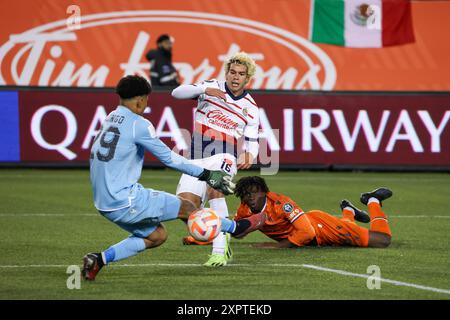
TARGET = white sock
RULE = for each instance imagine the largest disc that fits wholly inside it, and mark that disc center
(350, 209)
(373, 200)
(219, 205)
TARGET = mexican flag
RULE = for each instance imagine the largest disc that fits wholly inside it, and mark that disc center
(361, 23)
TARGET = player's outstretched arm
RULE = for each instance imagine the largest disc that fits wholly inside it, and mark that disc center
(193, 91)
(145, 135)
(249, 224)
(188, 91)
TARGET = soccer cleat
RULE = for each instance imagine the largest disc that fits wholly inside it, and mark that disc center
(91, 266)
(228, 251)
(360, 215)
(216, 260)
(190, 241)
(380, 194)
(220, 260)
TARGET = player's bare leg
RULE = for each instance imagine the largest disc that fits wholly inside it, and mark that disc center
(188, 205)
(94, 262)
(380, 232)
(156, 238)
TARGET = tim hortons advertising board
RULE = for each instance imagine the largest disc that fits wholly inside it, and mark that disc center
(95, 43)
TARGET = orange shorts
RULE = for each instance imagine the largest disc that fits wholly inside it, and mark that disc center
(333, 231)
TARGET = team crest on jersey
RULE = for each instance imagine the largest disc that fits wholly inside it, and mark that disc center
(245, 111)
(287, 207)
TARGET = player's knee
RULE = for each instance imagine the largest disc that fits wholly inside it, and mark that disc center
(385, 241)
(193, 198)
(156, 238)
(186, 208)
(379, 240)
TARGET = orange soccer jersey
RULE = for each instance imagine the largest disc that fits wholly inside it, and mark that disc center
(286, 220)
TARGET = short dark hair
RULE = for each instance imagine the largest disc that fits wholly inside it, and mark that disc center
(162, 38)
(133, 86)
(245, 183)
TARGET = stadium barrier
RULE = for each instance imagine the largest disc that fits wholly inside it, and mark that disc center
(55, 127)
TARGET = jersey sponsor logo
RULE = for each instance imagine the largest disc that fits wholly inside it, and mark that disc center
(294, 214)
(218, 118)
(287, 207)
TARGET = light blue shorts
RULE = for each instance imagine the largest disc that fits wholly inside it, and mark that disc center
(148, 209)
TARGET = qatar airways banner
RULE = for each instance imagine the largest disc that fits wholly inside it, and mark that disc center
(296, 129)
(94, 43)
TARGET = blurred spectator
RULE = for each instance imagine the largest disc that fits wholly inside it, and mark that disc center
(162, 71)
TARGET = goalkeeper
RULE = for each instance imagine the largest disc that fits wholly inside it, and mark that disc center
(117, 156)
(285, 222)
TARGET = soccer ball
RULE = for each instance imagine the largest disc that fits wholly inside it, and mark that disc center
(204, 224)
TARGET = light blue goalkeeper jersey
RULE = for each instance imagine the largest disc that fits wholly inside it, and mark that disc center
(117, 156)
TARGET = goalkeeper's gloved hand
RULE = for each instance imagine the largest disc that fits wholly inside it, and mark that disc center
(218, 180)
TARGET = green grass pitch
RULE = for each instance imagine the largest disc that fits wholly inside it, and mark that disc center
(48, 222)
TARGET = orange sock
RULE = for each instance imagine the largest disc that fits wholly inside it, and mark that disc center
(378, 220)
(348, 215)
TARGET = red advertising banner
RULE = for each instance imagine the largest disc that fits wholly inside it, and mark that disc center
(93, 43)
(296, 129)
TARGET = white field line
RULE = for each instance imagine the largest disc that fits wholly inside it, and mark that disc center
(394, 282)
(273, 265)
(97, 214)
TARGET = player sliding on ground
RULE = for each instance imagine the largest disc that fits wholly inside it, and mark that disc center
(117, 156)
(285, 222)
(225, 113)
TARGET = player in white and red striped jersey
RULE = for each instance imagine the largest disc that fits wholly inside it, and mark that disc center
(225, 113)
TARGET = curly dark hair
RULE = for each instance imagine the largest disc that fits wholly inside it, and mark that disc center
(133, 86)
(245, 183)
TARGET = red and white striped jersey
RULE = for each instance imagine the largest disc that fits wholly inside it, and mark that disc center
(225, 121)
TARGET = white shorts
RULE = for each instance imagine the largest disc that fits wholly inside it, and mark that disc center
(223, 161)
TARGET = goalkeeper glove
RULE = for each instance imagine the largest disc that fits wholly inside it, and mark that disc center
(218, 180)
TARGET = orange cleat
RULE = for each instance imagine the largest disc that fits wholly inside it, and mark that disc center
(190, 241)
